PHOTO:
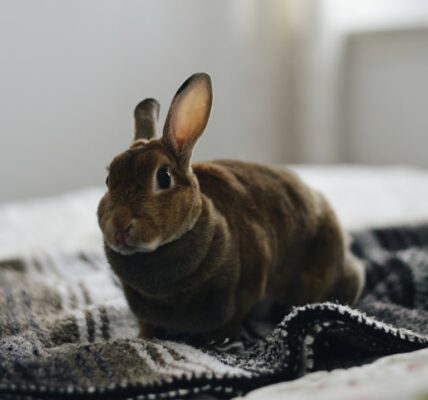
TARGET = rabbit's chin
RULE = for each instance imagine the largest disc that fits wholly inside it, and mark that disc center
(140, 248)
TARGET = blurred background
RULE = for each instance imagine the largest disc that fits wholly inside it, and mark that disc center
(295, 81)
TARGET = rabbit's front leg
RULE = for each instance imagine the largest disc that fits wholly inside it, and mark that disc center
(230, 330)
(148, 331)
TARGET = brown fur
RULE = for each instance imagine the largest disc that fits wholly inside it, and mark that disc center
(227, 234)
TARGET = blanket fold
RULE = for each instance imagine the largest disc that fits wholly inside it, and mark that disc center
(66, 330)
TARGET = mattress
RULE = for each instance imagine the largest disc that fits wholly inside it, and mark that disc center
(363, 197)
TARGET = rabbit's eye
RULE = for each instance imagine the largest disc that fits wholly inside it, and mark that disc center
(107, 180)
(163, 178)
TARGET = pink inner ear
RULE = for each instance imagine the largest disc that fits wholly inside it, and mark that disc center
(188, 114)
(179, 141)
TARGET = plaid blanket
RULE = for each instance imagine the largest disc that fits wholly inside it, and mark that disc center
(66, 331)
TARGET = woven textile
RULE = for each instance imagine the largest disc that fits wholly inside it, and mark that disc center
(66, 331)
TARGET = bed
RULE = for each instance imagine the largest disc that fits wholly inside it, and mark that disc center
(363, 196)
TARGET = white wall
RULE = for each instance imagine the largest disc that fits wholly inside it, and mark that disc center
(72, 72)
(289, 85)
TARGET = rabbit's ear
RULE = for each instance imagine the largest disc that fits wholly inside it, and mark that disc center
(146, 116)
(188, 115)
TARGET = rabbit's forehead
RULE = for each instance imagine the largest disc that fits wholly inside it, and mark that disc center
(143, 159)
(149, 159)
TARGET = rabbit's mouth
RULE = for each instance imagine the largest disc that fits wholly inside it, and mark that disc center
(148, 247)
(125, 248)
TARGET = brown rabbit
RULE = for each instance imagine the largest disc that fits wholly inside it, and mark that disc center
(196, 246)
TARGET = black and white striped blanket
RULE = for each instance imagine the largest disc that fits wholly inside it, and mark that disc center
(66, 331)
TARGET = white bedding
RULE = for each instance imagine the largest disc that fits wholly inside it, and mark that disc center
(362, 196)
(397, 377)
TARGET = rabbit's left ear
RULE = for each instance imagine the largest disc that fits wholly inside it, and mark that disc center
(188, 115)
(146, 116)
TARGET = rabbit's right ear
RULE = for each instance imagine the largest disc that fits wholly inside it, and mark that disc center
(146, 116)
(188, 116)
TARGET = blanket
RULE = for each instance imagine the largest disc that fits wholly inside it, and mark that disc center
(66, 330)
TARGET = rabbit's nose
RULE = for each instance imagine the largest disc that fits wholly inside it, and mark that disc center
(122, 235)
(126, 230)
(121, 218)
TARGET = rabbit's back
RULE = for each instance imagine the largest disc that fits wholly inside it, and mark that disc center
(273, 197)
(280, 223)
